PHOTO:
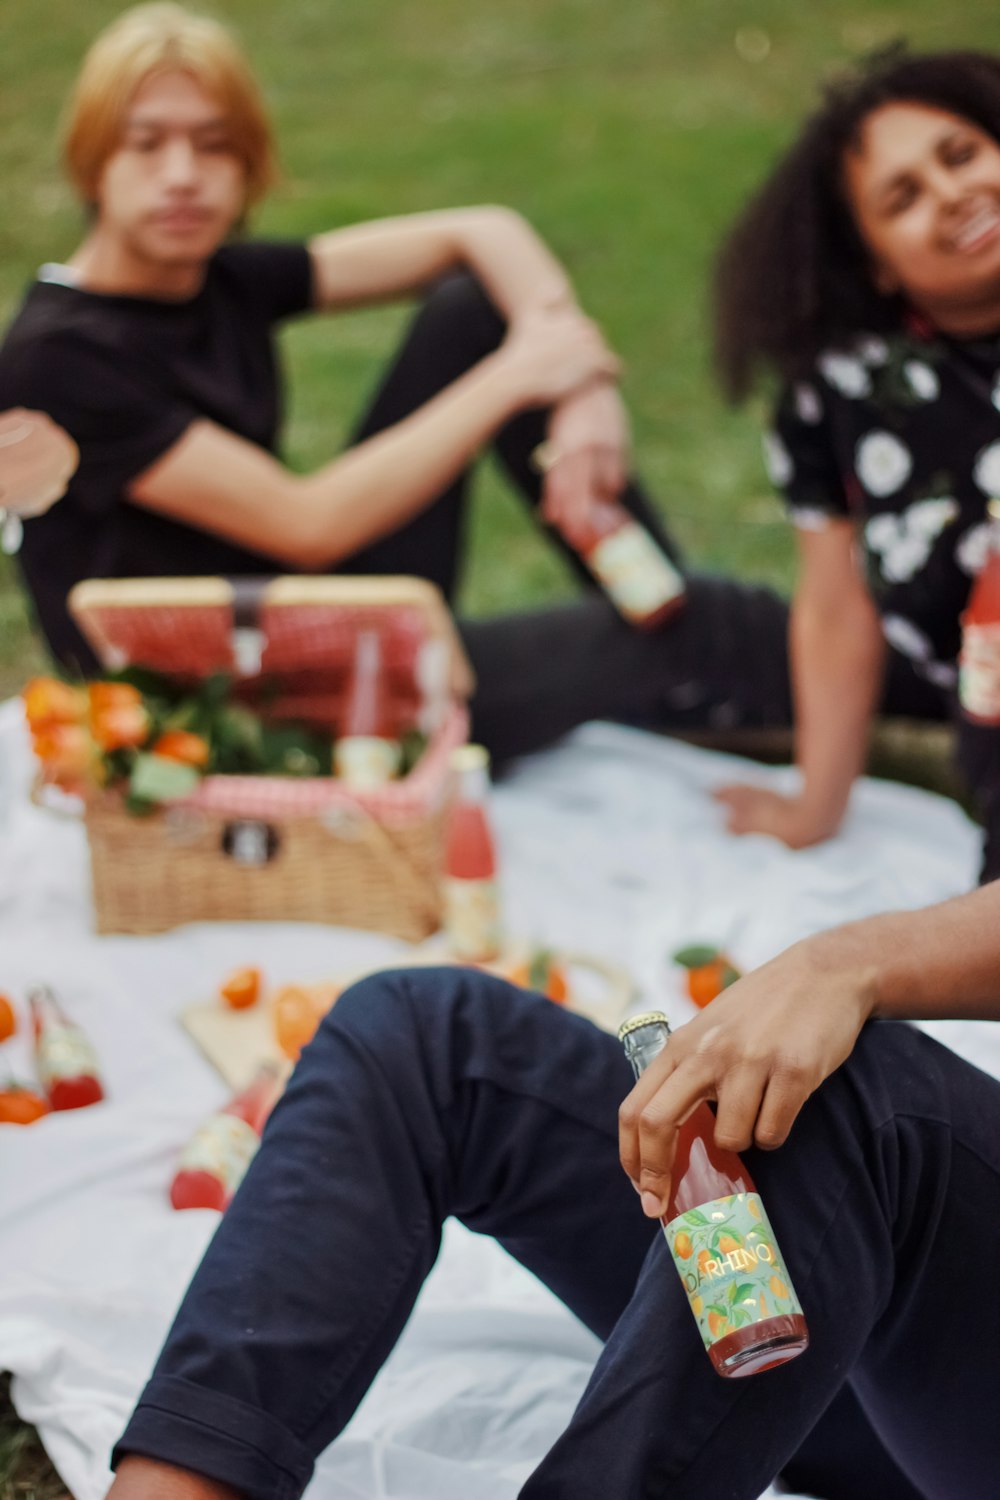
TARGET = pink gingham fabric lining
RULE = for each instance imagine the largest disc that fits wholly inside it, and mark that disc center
(273, 798)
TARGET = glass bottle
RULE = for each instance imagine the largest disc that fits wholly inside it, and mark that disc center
(720, 1240)
(213, 1162)
(979, 658)
(471, 895)
(66, 1062)
(366, 753)
(630, 565)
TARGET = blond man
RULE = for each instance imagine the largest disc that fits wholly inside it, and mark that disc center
(153, 345)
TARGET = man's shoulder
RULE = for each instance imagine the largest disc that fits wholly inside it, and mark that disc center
(54, 316)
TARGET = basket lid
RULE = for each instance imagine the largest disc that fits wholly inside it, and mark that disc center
(291, 625)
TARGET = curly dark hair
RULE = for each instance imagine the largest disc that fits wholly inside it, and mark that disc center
(793, 276)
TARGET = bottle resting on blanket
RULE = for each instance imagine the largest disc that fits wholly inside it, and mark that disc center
(720, 1240)
(214, 1161)
(471, 895)
(979, 658)
(66, 1062)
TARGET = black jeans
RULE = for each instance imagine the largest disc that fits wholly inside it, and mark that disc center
(443, 1092)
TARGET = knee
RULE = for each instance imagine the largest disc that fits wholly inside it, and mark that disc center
(460, 311)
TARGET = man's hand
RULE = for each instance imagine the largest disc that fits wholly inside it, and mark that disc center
(756, 809)
(550, 354)
(37, 460)
(759, 1049)
(589, 443)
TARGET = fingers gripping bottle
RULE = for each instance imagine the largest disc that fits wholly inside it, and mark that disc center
(215, 1159)
(720, 1240)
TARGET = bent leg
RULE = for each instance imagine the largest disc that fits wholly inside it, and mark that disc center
(722, 663)
(425, 1093)
(889, 1178)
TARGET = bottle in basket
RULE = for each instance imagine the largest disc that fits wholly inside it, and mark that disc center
(367, 752)
(64, 1058)
(979, 659)
(720, 1239)
(216, 1157)
(631, 566)
(471, 896)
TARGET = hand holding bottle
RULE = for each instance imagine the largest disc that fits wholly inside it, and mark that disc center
(588, 440)
(760, 1049)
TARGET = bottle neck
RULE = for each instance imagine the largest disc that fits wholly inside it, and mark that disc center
(645, 1043)
(474, 785)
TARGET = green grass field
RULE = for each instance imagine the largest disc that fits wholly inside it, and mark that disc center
(628, 133)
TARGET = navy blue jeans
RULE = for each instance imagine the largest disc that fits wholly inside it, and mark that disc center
(441, 1091)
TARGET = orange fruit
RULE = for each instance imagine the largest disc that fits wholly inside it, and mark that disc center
(682, 1245)
(20, 1106)
(8, 1019)
(703, 1260)
(727, 1244)
(778, 1287)
(717, 1324)
(186, 748)
(241, 989)
(542, 972)
(296, 1015)
(48, 701)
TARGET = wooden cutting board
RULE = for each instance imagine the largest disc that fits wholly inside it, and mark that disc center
(236, 1042)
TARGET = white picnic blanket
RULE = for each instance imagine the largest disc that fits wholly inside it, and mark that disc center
(610, 844)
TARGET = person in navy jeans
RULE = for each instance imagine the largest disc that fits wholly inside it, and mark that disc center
(438, 1092)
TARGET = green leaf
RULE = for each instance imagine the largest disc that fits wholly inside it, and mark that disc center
(742, 1291)
(695, 1216)
(156, 779)
(696, 956)
(730, 976)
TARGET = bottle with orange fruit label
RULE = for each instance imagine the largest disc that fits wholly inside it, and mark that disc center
(471, 891)
(720, 1240)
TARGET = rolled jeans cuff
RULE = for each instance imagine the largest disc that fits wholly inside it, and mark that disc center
(179, 1423)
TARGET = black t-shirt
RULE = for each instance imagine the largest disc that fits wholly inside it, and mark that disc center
(126, 376)
(903, 436)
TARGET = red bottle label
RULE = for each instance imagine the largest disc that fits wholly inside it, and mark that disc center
(727, 1257)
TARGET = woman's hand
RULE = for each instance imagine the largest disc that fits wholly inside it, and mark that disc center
(757, 809)
(589, 442)
(759, 1049)
(37, 461)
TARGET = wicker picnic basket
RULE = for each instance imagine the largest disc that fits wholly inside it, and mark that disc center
(273, 848)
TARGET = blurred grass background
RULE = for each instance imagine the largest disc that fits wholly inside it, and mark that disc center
(628, 133)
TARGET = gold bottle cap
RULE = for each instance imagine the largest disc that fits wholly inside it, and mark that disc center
(470, 758)
(647, 1018)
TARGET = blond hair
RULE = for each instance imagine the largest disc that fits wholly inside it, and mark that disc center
(162, 38)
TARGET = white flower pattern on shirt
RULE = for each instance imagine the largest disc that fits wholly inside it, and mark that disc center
(846, 374)
(904, 542)
(883, 462)
(986, 471)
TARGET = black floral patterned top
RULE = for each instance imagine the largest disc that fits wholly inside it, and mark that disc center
(903, 435)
